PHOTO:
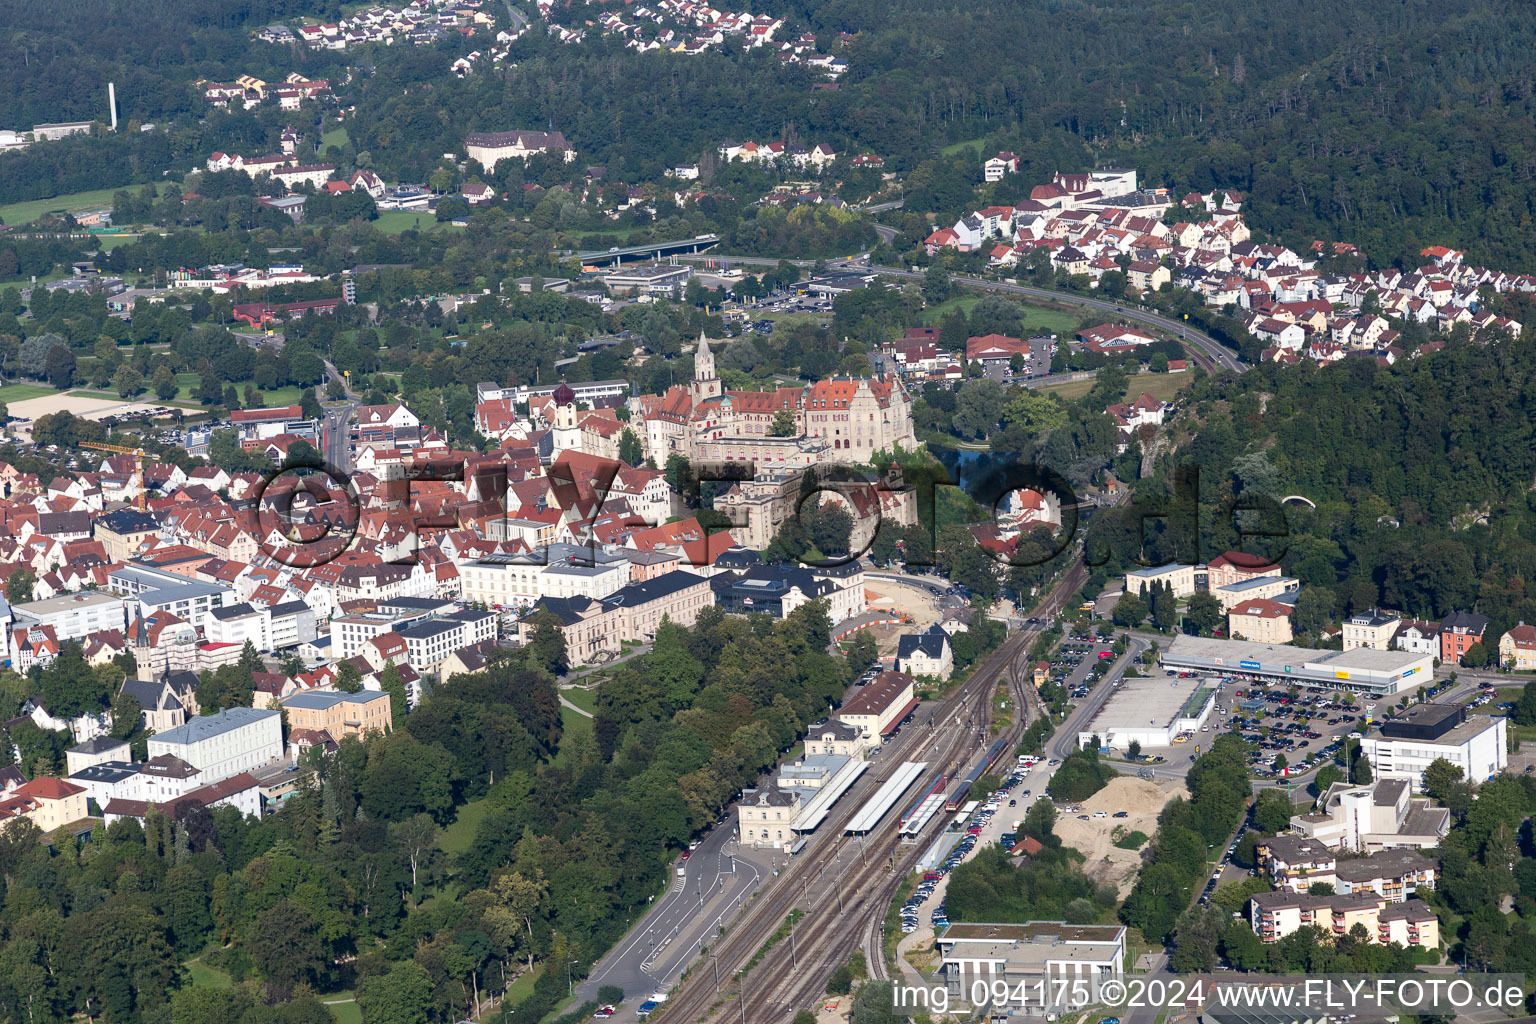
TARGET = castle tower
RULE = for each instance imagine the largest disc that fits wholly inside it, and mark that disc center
(705, 384)
(567, 435)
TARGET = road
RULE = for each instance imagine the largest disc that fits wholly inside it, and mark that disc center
(707, 889)
(1211, 351)
(338, 417)
(1210, 347)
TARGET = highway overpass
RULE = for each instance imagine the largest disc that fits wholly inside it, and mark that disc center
(653, 250)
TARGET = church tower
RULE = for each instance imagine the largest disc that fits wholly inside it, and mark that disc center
(705, 384)
(567, 435)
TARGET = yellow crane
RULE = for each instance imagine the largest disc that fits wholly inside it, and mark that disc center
(142, 495)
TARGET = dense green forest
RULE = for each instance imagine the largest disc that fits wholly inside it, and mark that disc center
(1422, 476)
(349, 888)
(1392, 124)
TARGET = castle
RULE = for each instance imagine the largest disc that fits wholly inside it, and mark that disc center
(846, 419)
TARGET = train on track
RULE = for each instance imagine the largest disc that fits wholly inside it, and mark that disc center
(913, 811)
(957, 798)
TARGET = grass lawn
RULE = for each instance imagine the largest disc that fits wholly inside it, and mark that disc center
(16, 214)
(1162, 386)
(21, 392)
(955, 147)
(455, 839)
(288, 394)
(392, 222)
(574, 724)
(1037, 319)
(110, 242)
(345, 1013)
(207, 977)
(1071, 389)
(147, 398)
(335, 137)
(584, 699)
(943, 309)
(522, 988)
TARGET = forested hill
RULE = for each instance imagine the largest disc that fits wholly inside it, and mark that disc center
(56, 59)
(1393, 123)
(1390, 123)
(1422, 473)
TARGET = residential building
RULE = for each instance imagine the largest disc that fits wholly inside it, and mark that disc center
(1418, 637)
(1373, 629)
(597, 630)
(928, 653)
(1298, 863)
(47, 802)
(234, 740)
(1261, 620)
(94, 751)
(1256, 587)
(339, 714)
(1274, 915)
(1458, 632)
(1517, 648)
(996, 167)
(1408, 742)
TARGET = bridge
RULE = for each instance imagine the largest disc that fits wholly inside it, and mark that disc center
(619, 254)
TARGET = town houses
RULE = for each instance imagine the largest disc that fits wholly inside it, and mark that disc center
(1091, 224)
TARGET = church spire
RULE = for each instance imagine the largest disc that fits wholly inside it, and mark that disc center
(705, 383)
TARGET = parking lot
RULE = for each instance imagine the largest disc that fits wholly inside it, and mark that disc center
(992, 822)
(1305, 724)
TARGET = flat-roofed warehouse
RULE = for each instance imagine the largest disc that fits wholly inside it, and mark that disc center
(1151, 710)
(1362, 669)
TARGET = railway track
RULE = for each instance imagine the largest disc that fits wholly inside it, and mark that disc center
(844, 904)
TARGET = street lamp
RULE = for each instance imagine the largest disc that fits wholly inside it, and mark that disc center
(570, 985)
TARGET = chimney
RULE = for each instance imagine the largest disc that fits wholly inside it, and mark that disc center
(112, 102)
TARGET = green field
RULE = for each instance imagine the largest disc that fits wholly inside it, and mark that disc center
(392, 222)
(455, 839)
(1162, 386)
(584, 699)
(790, 319)
(1037, 319)
(16, 214)
(1070, 390)
(955, 147)
(21, 392)
(573, 724)
(335, 137)
(147, 398)
(204, 976)
(346, 1011)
